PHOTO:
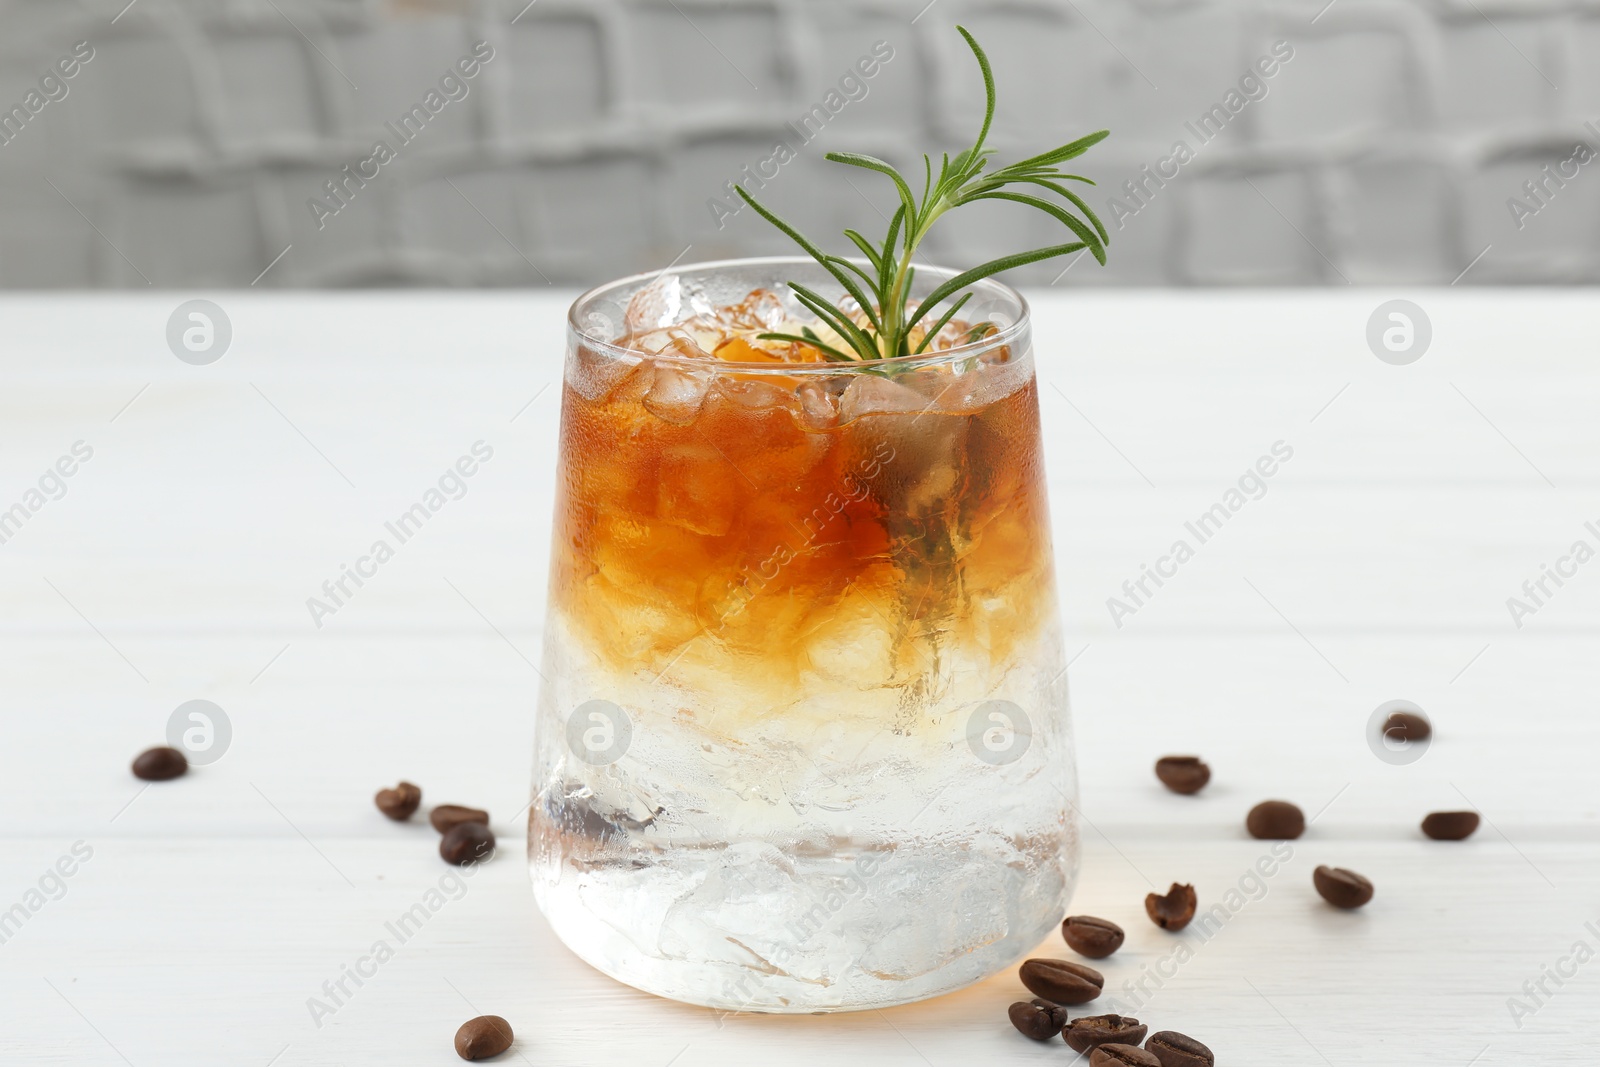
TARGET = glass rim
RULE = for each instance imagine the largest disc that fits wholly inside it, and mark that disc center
(1004, 336)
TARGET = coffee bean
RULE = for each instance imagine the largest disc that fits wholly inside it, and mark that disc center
(1450, 825)
(447, 815)
(1061, 982)
(1275, 820)
(1407, 726)
(1122, 1056)
(1092, 937)
(1183, 774)
(1091, 1031)
(1342, 888)
(1057, 1014)
(466, 842)
(1038, 1019)
(159, 764)
(485, 1036)
(400, 802)
(1173, 1049)
(1173, 911)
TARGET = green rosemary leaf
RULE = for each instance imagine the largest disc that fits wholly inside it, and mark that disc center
(994, 266)
(810, 338)
(794, 235)
(988, 87)
(1031, 174)
(855, 268)
(866, 249)
(1099, 227)
(866, 303)
(855, 159)
(836, 319)
(936, 327)
(828, 313)
(1066, 218)
(886, 264)
(1078, 201)
(842, 324)
(1006, 177)
(1065, 152)
(826, 349)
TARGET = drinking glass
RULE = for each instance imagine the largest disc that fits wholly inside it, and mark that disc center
(802, 740)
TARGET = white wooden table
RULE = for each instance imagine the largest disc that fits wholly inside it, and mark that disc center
(1376, 567)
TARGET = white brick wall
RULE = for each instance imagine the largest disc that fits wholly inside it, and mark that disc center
(185, 152)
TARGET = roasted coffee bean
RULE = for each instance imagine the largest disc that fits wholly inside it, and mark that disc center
(1450, 825)
(1342, 888)
(485, 1036)
(1061, 982)
(447, 815)
(1183, 774)
(1179, 1050)
(1092, 937)
(1407, 726)
(1173, 911)
(1122, 1056)
(159, 764)
(1056, 1013)
(1275, 820)
(1038, 1019)
(1091, 1031)
(467, 842)
(400, 802)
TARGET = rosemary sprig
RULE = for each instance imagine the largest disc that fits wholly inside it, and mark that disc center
(883, 292)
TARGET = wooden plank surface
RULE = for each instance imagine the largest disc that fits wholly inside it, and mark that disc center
(1376, 566)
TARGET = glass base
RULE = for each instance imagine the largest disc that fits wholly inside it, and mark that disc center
(750, 927)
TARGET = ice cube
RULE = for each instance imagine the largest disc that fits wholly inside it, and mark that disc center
(698, 301)
(853, 643)
(969, 384)
(670, 341)
(992, 380)
(819, 407)
(916, 438)
(755, 394)
(677, 393)
(874, 394)
(766, 309)
(941, 387)
(694, 491)
(625, 383)
(658, 304)
(955, 332)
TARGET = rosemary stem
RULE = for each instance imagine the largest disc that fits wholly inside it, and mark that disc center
(895, 313)
(962, 179)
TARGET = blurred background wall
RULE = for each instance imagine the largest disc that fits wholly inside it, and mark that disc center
(186, 150)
